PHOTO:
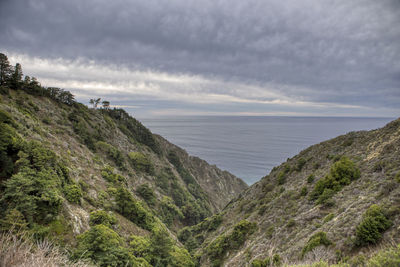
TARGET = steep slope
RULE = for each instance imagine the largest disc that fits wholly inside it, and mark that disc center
(316, 205)
(77, 175)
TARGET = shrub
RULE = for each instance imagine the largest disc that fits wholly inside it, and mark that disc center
(304, 191)
(170, 211)
(373, 224)
(34, 193)
(131, 209)
(141, 162)
(102, 217)
(310, 178)
(281, 178)
(291, 223)
(108, 174)
(318, 239)
(147, 193)
(223, 243)
(112, 152)
(300, 164)
(73, 193)
(342, 173)
(105, 247)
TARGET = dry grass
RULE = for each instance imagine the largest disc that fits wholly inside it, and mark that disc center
(19, 250)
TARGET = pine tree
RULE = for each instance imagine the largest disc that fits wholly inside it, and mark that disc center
(5, 69)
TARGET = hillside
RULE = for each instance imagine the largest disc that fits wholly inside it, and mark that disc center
(96, 181)
(338, 201)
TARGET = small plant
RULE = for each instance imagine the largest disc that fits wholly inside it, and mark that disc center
(73, 193)
(373, 224)
(147, 193)
(141, 162)
(281, 178)
(304, 191)
(102, 217)
(310, 178)
(342, 173)
(318, 239)
(291, 223)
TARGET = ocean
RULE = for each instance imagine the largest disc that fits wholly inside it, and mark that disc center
(249, 147)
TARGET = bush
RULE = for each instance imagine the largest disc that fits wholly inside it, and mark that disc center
(281, 178)
(373, 224)
(141, 162)
(108, 174)
(223, 243)
(147, 193)
(300, 164)
(111, 152)
(170, 211)
(304, 191)
(318, 239)
(105, 248)
(342, 173)
(131, 209)
(310, 178)
(73, 193)
(102, 217)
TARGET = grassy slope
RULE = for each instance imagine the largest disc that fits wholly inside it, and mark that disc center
(286, 219)
(73, 132)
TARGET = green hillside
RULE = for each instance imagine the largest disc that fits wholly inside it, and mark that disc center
(96, 181)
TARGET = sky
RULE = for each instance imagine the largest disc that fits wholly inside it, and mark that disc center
(213, 57)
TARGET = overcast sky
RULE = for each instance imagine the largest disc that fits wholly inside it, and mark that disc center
(213, 57)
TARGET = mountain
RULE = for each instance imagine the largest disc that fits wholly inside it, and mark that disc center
(96, 181)
(84, 186)
(338, 201)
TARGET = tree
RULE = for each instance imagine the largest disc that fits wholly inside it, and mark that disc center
(16, 77)
(95, 102)
(106, 104)
(5, 69)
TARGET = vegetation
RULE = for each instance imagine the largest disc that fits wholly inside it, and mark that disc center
(102, 217)
(318, 239)
(373, 224)
(342, 173)
(234, 240)
(141, 162)
(147, 193)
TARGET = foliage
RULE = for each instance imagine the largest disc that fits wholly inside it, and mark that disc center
(147, 193)
(342, 173)
(105, 247)
(108, 174)
(316, 240)
(281, 178)
(13, 221)
(131, 209)
(73, 193)
(9, 145)
(234, 240)
(300, 164)
(33, 193)
(304, 191)
(102, 217)
(141, 162)
(112, 152)
(310, 178)
(373, 224)
(170, 211)
(133, 128)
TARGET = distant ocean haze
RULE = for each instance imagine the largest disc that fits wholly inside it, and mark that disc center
(249, 147)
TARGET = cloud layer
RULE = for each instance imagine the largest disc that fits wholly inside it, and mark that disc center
(338, 57)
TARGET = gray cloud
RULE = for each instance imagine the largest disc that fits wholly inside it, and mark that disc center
(345, 51)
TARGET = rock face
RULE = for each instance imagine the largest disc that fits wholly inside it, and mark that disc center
(220, 186)
(289, 207)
